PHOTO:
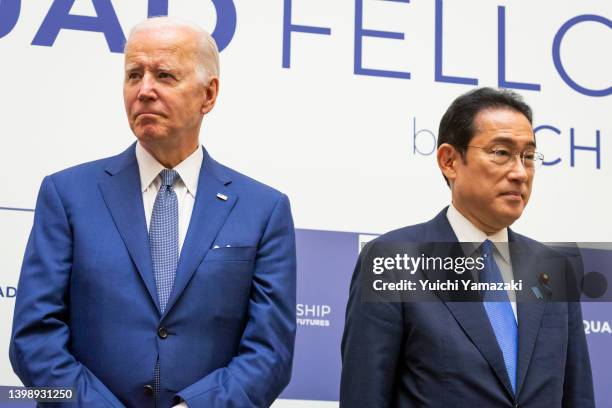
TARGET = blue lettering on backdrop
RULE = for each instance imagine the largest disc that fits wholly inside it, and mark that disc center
(361, 32)
(427, 132)
(501, 56)
(289, 27)
(106, 21)
(226, 22)
(59, 17)
(555, 130)
(556, 51)
(157, 8)
(9, 14)
(440, 77)
(9, 292)
(596, 148)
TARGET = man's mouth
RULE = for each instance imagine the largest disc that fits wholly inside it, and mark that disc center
(148, 113)
(513, 194)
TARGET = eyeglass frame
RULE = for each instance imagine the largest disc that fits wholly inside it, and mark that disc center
(538, 157)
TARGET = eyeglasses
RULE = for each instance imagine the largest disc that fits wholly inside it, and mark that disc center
(500, 155)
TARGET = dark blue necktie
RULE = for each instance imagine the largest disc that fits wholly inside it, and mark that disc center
(499, 311)
(163, 239)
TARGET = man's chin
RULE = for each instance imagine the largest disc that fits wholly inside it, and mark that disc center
(508, 216)
(149, 134)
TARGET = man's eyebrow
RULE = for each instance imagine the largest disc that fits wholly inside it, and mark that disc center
(131, 66)
(161, 67)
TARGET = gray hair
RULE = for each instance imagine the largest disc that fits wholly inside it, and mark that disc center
(207, 46)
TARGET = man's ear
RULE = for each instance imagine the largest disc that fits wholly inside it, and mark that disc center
(448, 159)
(211, 92)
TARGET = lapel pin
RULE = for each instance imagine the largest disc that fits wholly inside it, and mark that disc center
(537, 292)
(221, 196)
(544, 281)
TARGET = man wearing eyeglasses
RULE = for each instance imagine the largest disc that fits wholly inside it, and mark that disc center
(444, 353)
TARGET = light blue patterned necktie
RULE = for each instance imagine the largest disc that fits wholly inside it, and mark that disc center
(163, 240)
(163, 236)
(499, 310)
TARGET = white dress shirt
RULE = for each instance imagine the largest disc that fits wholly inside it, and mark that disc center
(467, 232)
(185, 187)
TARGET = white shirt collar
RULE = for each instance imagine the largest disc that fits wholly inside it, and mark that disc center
(467, 232)
(188, 169)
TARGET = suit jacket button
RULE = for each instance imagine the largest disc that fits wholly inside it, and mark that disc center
(162, 332)
(148, 390)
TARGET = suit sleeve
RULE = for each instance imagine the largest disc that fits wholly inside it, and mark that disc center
(578, 384)
(262, 367)
(39, 347)
(371, 348)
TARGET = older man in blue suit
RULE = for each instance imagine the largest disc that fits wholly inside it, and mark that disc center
(525, 349)
(159, 276)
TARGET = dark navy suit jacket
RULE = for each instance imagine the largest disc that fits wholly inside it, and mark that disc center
(444, 353)
(87, 313)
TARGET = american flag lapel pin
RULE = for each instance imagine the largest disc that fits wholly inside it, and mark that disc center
(221, 196)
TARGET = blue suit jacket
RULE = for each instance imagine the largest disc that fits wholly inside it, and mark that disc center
(444, 353)
(87, 312)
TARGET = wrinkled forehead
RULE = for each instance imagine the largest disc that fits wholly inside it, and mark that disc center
(160, 43)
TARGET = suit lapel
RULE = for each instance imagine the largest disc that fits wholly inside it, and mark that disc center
(471, 316)
(473, 319)
(123, 197)
(529, 310)
(209, 214)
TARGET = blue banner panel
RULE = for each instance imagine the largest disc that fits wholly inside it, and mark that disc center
(325, 265)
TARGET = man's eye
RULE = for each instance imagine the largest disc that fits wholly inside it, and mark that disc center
(165, 75)
(133, 75)
(529, 156)
(502, 153)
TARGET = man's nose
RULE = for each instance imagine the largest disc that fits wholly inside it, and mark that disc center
(147, 89)
(518, 171)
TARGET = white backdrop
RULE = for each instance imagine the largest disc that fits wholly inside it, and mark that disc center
(341, 145)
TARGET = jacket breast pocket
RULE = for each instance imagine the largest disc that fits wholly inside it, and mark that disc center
(231, 254)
